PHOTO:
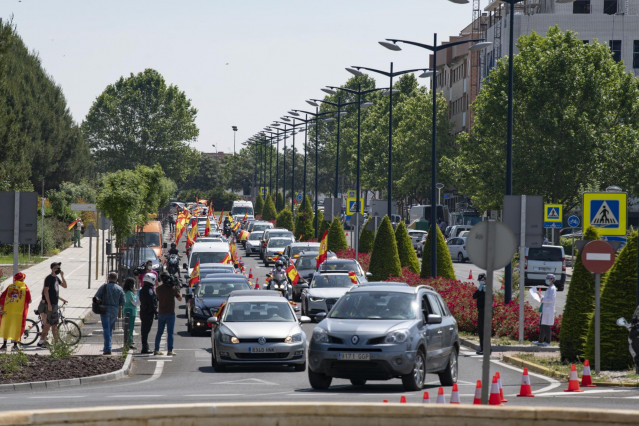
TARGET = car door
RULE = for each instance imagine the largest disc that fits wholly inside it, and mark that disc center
(452, 247)
(447, 327)
(432, 335)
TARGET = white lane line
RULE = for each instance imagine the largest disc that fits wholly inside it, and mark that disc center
(134, 395)
(553, 383)
(56, 396)
(586, 392)
(156, 373)
(212, 395)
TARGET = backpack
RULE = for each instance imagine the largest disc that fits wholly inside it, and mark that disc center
(97, 306)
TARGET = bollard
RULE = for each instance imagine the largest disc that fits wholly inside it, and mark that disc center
(125, 325)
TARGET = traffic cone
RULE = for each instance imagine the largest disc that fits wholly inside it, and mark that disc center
(454, 396)
(250, 273)
(494, 399)
(586, 379)
(402, 400)
(385, 401)
(477, 399)
(257, 283)
(573, 382)
(525, 389)
(470, 275)
(501, 388)
(441, 398)
(425, 399)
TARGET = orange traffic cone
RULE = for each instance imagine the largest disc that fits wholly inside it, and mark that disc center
(402, 400)
(257, 283)
(250, 273)
(586, 379)
(385, 401)
(525, 389)
(470, 275)
(425, 399)
(477, 399)
(441, 398)
(501, 388)
(494, 399)
(454, 396)
(573, 382)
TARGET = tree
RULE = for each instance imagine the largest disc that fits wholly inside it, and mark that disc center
(285, 220)
(268, 212)
(444, 262)
(324, 225)
(259, 205)
(204, 175)
(366, 238)
(141, 120)
(304, 230)
(319, 219)
(618, 297)
(570, 97)
(336, 240)
(580, 304)
(384, 258)
(120, 200)
(407, 255)
(279, 204)
(67, 193)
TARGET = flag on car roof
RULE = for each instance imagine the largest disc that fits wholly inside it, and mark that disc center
(353, 276)
(291, 271)
(219, 222)
(195, 274)
(207, 230)
(227, 258)
(245, 217)
(321, 257)
(72, 224)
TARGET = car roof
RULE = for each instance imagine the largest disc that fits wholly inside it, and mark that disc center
(304, 244)
(339, 261)
(279, 230)
(384, 283)
(223, 277)
(255, 294)
(398, 287)
(336, 272)
(210, 246)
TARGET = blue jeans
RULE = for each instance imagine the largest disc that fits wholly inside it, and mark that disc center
(167, 320)
(108, 324)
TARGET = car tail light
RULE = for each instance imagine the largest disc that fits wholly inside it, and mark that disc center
(526, 262)
(563, 264)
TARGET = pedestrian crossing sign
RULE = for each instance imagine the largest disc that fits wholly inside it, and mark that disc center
(264, 191)
(351, 208)
(606, 211)
(553, 213)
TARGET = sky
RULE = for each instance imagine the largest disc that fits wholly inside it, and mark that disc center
(241, 63)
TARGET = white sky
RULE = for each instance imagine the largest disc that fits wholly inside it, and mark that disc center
(242, 63)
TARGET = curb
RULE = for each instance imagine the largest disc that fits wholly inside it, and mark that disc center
(539, 369)
(504, 348)
(54, 384)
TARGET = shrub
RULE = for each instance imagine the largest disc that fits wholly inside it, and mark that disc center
(324, 225)
(269, 212)
(617, 300)
(279, 203)
(336, 239)
(285, 219)
(259, 205)
(304, 229)
(444, 262)
(580, 304)
(320, 219)
(384, 258)
(407, 255)
(566, 243)
(366, 239)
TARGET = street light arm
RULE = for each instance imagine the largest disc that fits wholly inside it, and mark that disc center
(386, 73)
(438, 48)
(362, 92)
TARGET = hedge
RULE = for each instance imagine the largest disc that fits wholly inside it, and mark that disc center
(366, 238)
(444, 262)
(304, 229)
(336, 239)
(407, 255)
(259, 206)
(384, 258)
(285, 219)
(269, 212)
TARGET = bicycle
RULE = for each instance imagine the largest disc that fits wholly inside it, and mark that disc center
(68, 331)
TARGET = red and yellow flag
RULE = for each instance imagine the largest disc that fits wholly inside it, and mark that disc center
(245, 217)
(292, 274)
(244, 235)
(179, 233)
(72, 224)
(195, 274)
(353, 276)
(321, 257)
(219, 222)
(207, 230)
(233, 253)
(236, 226)
(227, 258)
(211, 209)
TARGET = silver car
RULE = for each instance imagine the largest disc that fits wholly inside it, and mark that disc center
(257, 327)
(253, 243)
(379, 332)
(275, 247)
(324, 291)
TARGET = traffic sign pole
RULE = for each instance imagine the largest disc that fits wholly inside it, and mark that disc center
(597, 324)
(522, 273)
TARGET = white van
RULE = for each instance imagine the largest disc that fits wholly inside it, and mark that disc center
(207, 252)
(544, 260)
(241, 208)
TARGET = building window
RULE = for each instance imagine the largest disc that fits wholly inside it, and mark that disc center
(635, 54)
(581, 6)
(610, 7)
(615, 46)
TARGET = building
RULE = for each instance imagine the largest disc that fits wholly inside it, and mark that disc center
(614, 22)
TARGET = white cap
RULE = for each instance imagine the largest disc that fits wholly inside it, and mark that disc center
(149, 278)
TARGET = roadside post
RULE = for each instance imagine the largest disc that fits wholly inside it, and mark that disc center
(598, 257)
(490, 246)
(90, 232)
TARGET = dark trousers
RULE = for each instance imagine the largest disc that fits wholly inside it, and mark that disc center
(480, 328)
(147, 322)
(545, 333)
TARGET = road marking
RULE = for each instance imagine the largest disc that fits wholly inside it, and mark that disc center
(212, 395)
(247, 382)
(585, 392)
(56, 396)
(132, 395)
(553, 383)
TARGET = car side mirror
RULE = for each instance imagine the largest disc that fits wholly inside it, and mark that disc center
(320, 316)
(304, 319)
(434, 319)
(369, 274)
(184, 266)
(211, 320)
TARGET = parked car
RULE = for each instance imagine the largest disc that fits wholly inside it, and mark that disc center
(324, 291)
(257, 327)
(455, 230)
(540, 261)
(380, 332)
(457, 249)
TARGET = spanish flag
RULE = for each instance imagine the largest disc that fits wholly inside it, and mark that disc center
(195, 274)
(236, 226)
(72, 224)
(179, 233)
(353, 276)
(233, 253)
(292, 274)
(245, 216)
(207, 230)
(227, 258)
(219, 222)
(244, 235)
(321, 257)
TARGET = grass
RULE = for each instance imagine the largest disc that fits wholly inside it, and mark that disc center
(12, 362)
(23, 259)
(496, 341)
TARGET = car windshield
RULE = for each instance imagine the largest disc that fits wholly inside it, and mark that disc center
(221, 289)
(306, 262)
(279, 242)
(545, 253)
(150, 239)
(255, 236)
(276, 234)
(274, 311)
(298, 249)
(242, 210)
(208, 257)
(331, 280)
(340, 266)
(145, 254)
(375, 305)
(261, 226)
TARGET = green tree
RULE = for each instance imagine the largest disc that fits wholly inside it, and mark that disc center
(67, 193)
(385, 258)
(279, 204)
(407, 255)
(580, 304)
(324, 225)
(304, 230)
(336, 240)
(366, 238)
(120, 200)
(269, 212)
(259, 205)
(207, 174)
(319, 220)
(618, 297)
(285, 219)
(444, 262)
(141, 120)
(569, 97)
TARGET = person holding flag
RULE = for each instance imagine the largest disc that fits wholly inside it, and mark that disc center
(76, 225)
(14, 306)
(293, 276)
(195, 274)
(323, 249)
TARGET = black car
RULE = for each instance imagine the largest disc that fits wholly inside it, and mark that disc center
(208, 295)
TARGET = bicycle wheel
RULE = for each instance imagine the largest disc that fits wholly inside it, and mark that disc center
(31, 332)
(69, 332)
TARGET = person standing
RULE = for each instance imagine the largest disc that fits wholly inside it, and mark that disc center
(48, 308)
(77, 233)
(130, 307)
(14, 306)
(148, 269)
(547, 311)
(167, 294)
(112, 298)
(480, 296)
(148, 309)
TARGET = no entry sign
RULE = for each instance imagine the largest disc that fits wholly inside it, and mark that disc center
(598, 256)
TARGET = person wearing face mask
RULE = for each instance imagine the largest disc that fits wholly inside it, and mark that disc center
(480, 296)
(48, 308)
(547, 311)
(148, 269)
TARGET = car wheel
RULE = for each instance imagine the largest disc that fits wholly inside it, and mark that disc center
(318, 380)
(460, 257)
(358, 382)
(414, 381)
(449, 375)
(300, 367)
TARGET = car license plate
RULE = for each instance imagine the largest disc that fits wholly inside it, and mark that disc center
(354, 356)
(545, 269)
(261, 350)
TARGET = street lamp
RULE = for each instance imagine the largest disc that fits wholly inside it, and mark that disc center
(439, 186)
(355, 70)
(286, 122)
(234, 132)
(295, 131)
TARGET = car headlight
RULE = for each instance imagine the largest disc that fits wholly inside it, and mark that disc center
(316, 299)
(294, 338)
(320, 335)
(197, 310)
(397, 336)
(227, 338)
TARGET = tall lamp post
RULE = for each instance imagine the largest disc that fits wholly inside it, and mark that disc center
(287, 122)
(355, 70)
(234, 132)
(306, 121)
